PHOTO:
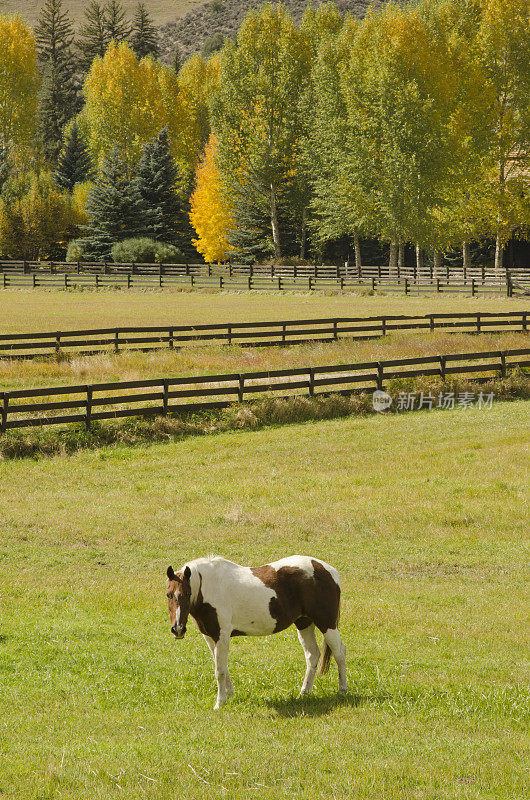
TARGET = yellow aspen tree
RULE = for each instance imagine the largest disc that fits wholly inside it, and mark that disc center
(210, 214)
(127, 103)
(19, 83)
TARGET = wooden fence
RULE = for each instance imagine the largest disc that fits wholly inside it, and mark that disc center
(240, 283)
(255, 334)
(428, 274)
(24, 408)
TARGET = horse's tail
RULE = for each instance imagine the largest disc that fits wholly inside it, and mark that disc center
(323, 664)
(325, 658)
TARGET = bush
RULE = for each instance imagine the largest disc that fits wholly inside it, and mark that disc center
(146, 251)
(75, 251)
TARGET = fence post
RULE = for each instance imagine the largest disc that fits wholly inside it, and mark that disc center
(438, 284)
(171, 338)
(373, 284)
(5, 282)
(341, 283)
(229, 334)
(128, 280)
(335, 332)
(165, 386)
(34, 280)
(311, 382)
(117, 341)
(284, 329)
(241, 387)
(57, 343)
(220, 281)
(503, 364)
(310, 283)
(97, 280)
(442, 367)
(406, 285)
(66, 280)
(523, 321)
(478, 323)
(509, 286)
(249, 281)
(192, 280)
(3, 418)
(431, 321)
(472, 287)
(379, 375)
(88, 415)
(383, 326)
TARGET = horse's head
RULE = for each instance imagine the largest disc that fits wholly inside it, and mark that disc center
(178, 598)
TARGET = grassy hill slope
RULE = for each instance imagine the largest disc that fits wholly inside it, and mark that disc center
(163, 11)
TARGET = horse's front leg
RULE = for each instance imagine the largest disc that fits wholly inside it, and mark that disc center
(221, 668)
(211, 644)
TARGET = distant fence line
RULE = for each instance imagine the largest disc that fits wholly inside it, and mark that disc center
(251, 334)
(240, 284)
(122, 399)
(244, 277)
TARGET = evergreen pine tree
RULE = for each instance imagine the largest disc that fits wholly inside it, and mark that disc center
(144, 38)
(156, 179)
(58, 95)
(74, 164)
(93, 38)
(117, 28)
(116, 211)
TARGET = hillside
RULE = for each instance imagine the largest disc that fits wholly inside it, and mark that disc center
(163, 11)
(225, 16)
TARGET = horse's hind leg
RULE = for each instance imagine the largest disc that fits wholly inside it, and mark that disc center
(335, 644)
(312, 653)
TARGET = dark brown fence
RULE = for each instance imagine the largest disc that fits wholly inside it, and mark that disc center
(251, 334)
(24, 408)
(244, 278)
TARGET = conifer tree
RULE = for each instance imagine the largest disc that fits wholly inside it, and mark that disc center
(74, 164)
(93, 39)
(116, 26)
(116, 210)
(156, 179)
(144, 38)
(177, 60)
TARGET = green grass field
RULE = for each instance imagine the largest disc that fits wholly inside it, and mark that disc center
(161, 12)
(424, 514)
(41, 310)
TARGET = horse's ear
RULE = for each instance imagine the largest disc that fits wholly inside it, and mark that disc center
(170, 574)
(187, 573)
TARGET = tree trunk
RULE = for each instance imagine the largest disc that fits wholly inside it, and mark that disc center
(401, 256)
(392, 263)
(419, 257)
(499, 252)
(466, 255)
(304, 234)
(357, 246)
(438, 259)
(275, 226)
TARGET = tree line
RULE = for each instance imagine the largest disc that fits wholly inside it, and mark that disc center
(409, 128)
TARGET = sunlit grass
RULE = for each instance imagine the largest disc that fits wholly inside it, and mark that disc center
(426, 517)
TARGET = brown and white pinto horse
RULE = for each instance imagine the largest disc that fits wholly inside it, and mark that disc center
(226, 599)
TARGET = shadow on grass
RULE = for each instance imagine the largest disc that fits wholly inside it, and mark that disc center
(313, 706)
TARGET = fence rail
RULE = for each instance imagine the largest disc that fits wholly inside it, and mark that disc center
(24, 408)
(250, 334)
(239, 282)
(427, 274)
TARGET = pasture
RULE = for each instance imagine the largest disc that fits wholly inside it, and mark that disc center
(425, 516)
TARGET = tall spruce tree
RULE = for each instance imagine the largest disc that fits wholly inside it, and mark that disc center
(156, 179)
(58, 96)
(144, 38)
(177, 60)
(74, 164)
(116, 210)
(93, 39)
(116, 26)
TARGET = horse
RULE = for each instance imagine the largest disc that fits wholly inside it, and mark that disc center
(226, 599)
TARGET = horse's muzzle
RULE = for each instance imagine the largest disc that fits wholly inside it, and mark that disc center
(178, 633)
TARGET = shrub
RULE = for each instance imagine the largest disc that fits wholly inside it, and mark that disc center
(146, 251)
(75, 251)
